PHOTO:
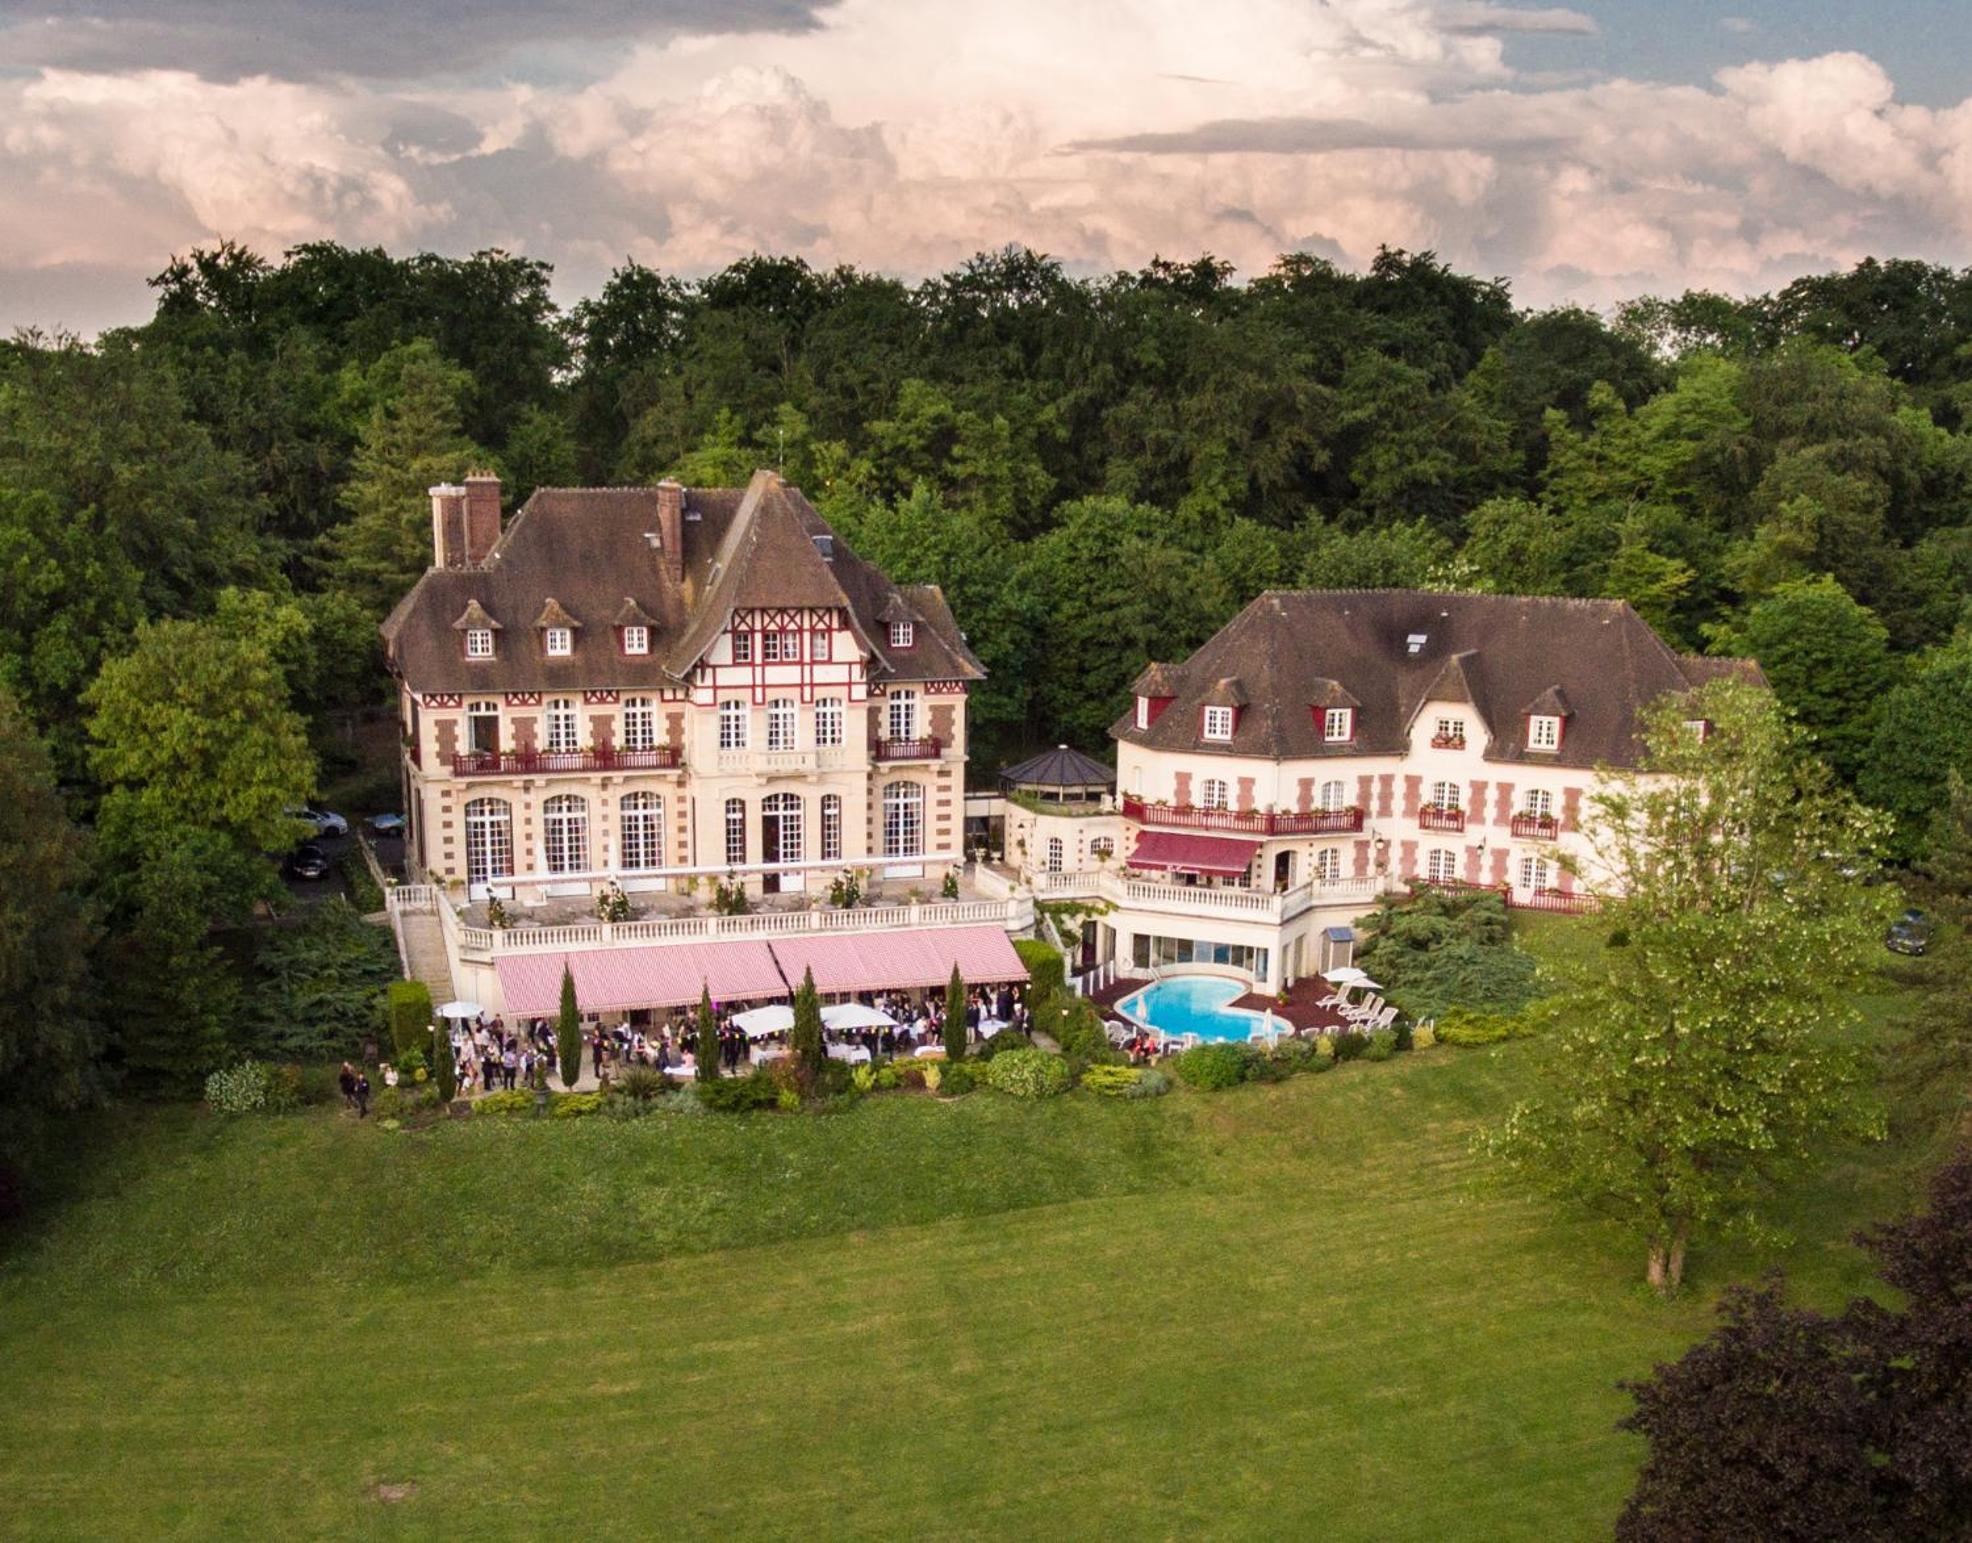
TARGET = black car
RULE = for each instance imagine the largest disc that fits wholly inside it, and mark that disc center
(307, 861)
(1910, 934)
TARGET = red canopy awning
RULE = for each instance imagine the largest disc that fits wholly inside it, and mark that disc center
(879, 961)
(1175, 851)
(616, 979)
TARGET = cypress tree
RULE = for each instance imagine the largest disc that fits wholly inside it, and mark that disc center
(708, 1038)
(444, 1070)
(568, 1031)
(806, 1040)
(955, 1016)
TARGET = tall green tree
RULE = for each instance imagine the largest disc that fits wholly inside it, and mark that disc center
(1923, 734)
(954, 1026)
(568, 1031)
(806, 1039)
(1702, 1059)
(706, 1053)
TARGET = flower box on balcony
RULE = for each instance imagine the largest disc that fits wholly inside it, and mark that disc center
(1447, 741)
(511, 763)
(1432, 817)
(1535, 827)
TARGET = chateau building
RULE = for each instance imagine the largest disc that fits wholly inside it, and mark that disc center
(647, 685)
(1326, 747)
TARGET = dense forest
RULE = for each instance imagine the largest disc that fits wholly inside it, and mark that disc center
(202, 519)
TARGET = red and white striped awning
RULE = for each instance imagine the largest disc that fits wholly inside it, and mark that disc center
(617, 979)
(878, 961)
(1173, 851)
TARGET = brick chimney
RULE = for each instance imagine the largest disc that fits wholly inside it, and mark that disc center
(671, 528)
(448, 525)
(482, 515)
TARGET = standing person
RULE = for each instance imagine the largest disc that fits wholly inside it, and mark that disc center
(346, 1080)
(362, 1096)
(509, 1065)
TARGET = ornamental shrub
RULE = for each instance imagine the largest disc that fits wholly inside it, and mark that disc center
(1211, 1068)
(1112, 1081)
(641, 1084)
(884, 1077)
(737, 1095)
(410, 1016)
(241, 1089)
(1046, 969)
(1460, 1027)
(1382, 1045)
(934, 1074)
(572, 1106)
(954, 1026)
(1080, 1034)
(516, 1102)
(411, 1066)
(1294, 1056)
(1027, 1074)
(568, 1030)
(1349, 1044)
(1000, 1043)
(959, 1079)
(1423, 1037)
(1151, 1083)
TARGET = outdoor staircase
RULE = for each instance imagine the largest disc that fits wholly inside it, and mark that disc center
(421, 941)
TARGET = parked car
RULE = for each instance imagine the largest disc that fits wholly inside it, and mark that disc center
(325, 821)
(307, 861)
(387, 824)
(1910, 933)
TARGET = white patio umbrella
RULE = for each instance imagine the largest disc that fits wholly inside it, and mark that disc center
(775, 1018)
(461, 1010)
(854, 1015)
(1348, 975)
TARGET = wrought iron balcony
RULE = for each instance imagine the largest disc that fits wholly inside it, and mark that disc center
(927, 748)
(1431, 817)
(1535, 827)
(1246, 822)
(532, 763)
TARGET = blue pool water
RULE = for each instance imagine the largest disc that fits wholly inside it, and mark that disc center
(1194, 1004)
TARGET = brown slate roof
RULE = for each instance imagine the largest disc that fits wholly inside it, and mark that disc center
(587, 548)
(1502, 654)
(1158, 680)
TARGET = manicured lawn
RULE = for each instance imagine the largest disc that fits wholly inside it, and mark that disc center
(1285, 1311)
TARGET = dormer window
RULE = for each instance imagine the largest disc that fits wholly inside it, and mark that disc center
(560, 642)
(903, 634)
(1143, 712)
(636, 640)
(1218, 723)
(1338, 725)
(479, 642)
(1543, 731)
(1449, 734)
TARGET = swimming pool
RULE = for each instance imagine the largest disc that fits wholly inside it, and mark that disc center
(1195, 1004)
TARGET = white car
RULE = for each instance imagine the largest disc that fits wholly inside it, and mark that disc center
(387, 824)
(326, 822)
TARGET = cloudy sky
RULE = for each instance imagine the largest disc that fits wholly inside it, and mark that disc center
(1588, 152)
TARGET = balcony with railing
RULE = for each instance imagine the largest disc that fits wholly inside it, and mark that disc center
(531, 763)
(1437, 817)
(1535, 827)
(1447, 741)
(1245, 822)
(925, 748)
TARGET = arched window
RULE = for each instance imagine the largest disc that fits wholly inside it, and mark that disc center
(643, 832)
(639, 723)
(1533, 873)
(489, 840)
(1441, 865)
(1333, 797)
(1056, 853)
(1328, 865)
(903, 714)
(732, 725)
(1444, 795)
(831, 827)
(1540, 803)
(561, 725)
(565, 833)
(1212, 793)
(780, 724)
(782, 836)
(903, 819)
(735, 832)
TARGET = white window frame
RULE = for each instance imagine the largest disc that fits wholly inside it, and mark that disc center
(565, 834)
(1449, 728)
(735, 833)
(1338, 725)
(819, 647)
(639, 723)
(479, 642)
(640, 832)
(1441, 865)
(903, 634)
(1217, 724)
(636, 640)
(1334, 796)
(770, 647)
(901, 715)
(829, 718)
(1328, 865)
(1534, 874)
(1143, 712)
(1057, 854)
(559, 642)
(1543, 731)
(1539, 804)
(1445, 795)
(903, 819)
(787, 807)
(783, 719)
(489, 840)
(478, 712)
(564, 726)
(831, 827)
(742, 647)
(1214, 793)
(732, 725)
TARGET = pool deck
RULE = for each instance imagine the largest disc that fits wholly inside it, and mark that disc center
(1299, 1009)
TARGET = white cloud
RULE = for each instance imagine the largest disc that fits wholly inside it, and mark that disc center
(905, 136)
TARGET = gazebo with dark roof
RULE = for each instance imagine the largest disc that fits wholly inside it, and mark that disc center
(1060, 776)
